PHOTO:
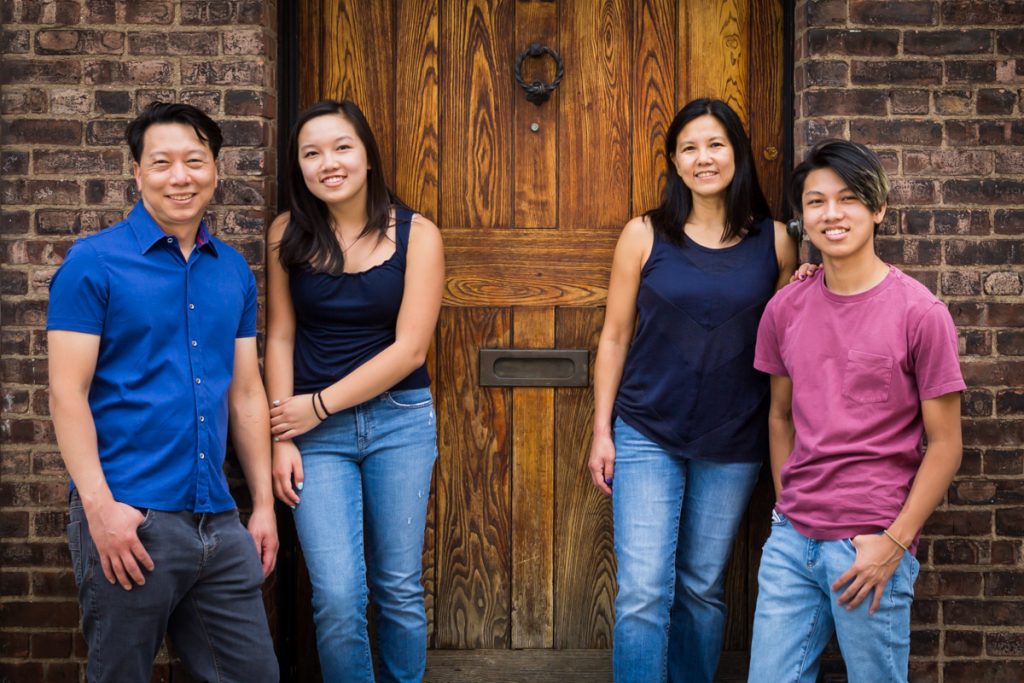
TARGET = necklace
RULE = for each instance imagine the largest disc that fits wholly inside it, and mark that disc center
(344, 248)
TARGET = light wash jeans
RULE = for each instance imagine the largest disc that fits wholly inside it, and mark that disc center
(675, 521)
(368, 468)
(797, 613)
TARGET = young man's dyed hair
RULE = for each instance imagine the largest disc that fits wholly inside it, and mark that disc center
(206, 128)
(858, 166)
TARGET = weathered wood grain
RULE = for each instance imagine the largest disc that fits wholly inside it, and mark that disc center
(535, 165)
(471, 608)
(476, 101)
(765, 97)
(533, 490)
(717, 49)
(417, 94)
(311, 55)
(429, 577)
(653, 102)
(594, 128)
(585, 560)
(358, 64)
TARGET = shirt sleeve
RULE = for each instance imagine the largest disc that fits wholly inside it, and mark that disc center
(767, 354)
(247, 324)
(934, 348)
(79, 292)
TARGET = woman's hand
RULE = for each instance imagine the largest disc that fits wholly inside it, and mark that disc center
(602, 462)
(287, 473)
(805, 271)
(876, 561)
(292, 416)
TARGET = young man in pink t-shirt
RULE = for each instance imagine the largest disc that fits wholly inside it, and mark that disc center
(863, 362)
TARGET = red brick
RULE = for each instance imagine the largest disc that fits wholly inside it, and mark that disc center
(967, 12)
(924, 643)
(247, 72)
(813, 130)
(992, 192)
(987, 671)
(1004, 584)
(953, 102)
(976, 402)
(40, 12)
(131, 72)
(1005, 552)
(14, 222)
(1010, 41)
(894, 12)
(250, 103)
(896, 72)
(1002, 432)
(177, 43)
(245, 133)
(949, 161)
(1005, 314)
(910, 101)
(53, 192)
(40, 614)
(51, 645)
(1010, 402)
(207, 100)
(844, 102)
(78, 42)
(963, 643)
(104, 162)
(106, 132)
(113, 102)
(30, 101)
(73, 101)
(54, 584)
(1004, 644)
(42, 131)
(145, 97)
(961, 283)
(911, 191)
(13, 645)
(117, 192)
(996, 101)
(972, 72)
(959, 523)
(949, 222)
(1010, 342)
(13, 524)
(975, 342)
(983, 612)
(947, 584)
(50, 523)
(1004, 462)
(242, 42)
(970, 463)
(207, 12)
(924, 612)
(14, 400)
(825, 12)
(1009, 222)
(13, 163)
(72, 222)
(942, 43)
(49, 464)
(13, 283)
(1010, 162)
(834, 74)
(34, 71)
(14, 42)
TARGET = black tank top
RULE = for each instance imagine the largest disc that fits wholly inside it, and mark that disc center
(342, 321)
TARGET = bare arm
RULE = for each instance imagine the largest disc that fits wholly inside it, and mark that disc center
(780, 427)
(250, 430)
(631, 251)
(785, 254)
(878, 556)
(112, 525)
(414, 330)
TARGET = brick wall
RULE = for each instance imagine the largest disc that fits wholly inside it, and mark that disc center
(74, 73)
(936, 87)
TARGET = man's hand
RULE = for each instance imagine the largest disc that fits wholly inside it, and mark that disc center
(114, 530)
(602, 462)
(876, 561)
(263, 529)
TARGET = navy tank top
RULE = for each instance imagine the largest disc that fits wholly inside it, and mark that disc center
(689, 383)
(342, 321)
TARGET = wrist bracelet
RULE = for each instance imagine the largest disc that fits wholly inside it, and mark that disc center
(312, 399)
(327, 413)
(895, 540)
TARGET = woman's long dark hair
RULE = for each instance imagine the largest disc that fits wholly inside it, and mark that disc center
(744, 204)
(309, 240)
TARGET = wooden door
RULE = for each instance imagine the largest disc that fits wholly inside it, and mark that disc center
(530, 200)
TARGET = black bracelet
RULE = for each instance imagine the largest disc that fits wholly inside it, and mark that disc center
(320, 395)
(312, 399)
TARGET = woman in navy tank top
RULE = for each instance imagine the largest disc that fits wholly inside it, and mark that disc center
(680, 419)
(354, 282)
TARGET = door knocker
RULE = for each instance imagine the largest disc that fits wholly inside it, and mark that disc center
(538, 92)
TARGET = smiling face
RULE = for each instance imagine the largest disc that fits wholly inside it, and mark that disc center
(837, 222)
(704, 157)
(176, 175)
(333, 160)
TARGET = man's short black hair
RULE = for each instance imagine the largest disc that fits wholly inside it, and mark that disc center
(206, 128)
(858, 166)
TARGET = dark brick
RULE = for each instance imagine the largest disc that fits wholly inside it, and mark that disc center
(207, 12)
(856, 43)
(844, 102)
(245, 42)
(117, 192)
(131, 72)
(963, 643)
(149, 12)
(78, 42)
(970, 463)
(924, 643)
(14, 343)
(967, 12)
(14, 42)
(932, 584)
(948, 222)
(894, 12)
(1010, 342)
(13, 163)
(113, 102)
(813, 130)
(959, 523)
(13, 283)
(104, 162)
(40, 12)
(1010, 41)
(976, 402)
(54, 192)
(249, 103)
(948, 161)
(51, 645)
(975, 343)
(823, 73)
(178, 43)
(996, 101)
(895, 132)
(983, 612)
(1004, 462)
(1004, 584)
(910, 101)
(12, 645)
(240, 192)
(246, 162)
(248, 72)
(911, 191)
(896, 72)
(978, 670)
(1010, 162)
(13, 524)
(825, 12)
(991, 192)
(1002, 432)
(1009, 222)
(972, 72)
(953, 101)
(1005, 552)
(962, 283)
(942, 43)
(106, 132)
(54, 584)
(40, 614)
(1004, 644)
(71, 222)
(207, 100)
(245, 133)
(145, 97)
(1005, 315)
(35, 71)
(924, 612)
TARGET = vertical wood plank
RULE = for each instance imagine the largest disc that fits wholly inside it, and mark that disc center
(585, 560)
(429, 577)
(654, 78)
(416, 107)
(358, 64)
(476, 98)
(309, 62)
(718, 44)
(533, 491)
(594, 129)
(473, 483)
(766, 81)
(536, 182)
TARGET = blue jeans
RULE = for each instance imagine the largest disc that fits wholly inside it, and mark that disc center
(675, 521)
(797, 613)
(204, 593)
(367, 470)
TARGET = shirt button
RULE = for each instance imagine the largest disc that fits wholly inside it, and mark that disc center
(191, 307)
(202, 418)
(198, 381)
(195, 343)
(170, 240)
(202, 456)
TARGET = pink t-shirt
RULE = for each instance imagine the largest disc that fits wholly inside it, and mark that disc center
(860, 365)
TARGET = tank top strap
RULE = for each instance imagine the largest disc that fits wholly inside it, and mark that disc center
(403, 224)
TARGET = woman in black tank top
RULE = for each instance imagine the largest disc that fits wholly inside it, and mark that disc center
(680, 418)
(354, 282)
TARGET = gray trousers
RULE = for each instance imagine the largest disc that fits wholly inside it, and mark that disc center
(204, 593)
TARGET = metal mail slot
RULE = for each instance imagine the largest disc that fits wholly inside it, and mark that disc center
(534, 367)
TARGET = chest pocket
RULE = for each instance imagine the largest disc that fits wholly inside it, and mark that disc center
(867, 377)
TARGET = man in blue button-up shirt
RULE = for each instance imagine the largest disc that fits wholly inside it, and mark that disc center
(152, 348)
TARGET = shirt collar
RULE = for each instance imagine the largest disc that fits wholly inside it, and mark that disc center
(148, 233)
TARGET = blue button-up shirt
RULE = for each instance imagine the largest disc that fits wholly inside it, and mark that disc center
(167, 328)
